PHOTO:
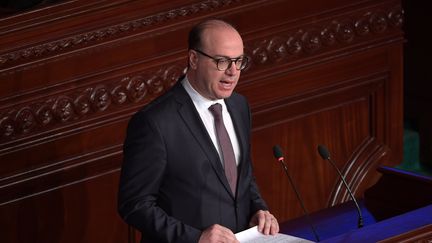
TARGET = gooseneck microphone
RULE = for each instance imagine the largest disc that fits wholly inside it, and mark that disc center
(323, 151)
(277, 153)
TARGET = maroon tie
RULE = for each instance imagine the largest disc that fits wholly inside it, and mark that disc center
(226, 146)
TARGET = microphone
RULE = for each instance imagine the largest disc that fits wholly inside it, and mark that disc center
(323, 151)
(277, 153)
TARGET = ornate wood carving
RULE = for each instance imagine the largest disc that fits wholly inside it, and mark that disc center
(113, 31)
(291, 45)
(78, 104)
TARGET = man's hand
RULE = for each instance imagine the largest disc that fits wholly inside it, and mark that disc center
(217, 233)
(267, 223)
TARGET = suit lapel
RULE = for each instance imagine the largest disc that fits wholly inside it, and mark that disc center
(190, 116)
(241, 132)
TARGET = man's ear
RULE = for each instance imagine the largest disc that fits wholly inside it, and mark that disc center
(193, 59)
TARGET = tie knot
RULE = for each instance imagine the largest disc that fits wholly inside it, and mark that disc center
(216, 110)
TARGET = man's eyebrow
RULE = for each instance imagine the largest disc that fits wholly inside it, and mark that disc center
(227, 57)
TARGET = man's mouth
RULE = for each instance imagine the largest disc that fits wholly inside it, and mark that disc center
(226, 83)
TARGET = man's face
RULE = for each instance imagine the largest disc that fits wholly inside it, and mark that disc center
(208, 80)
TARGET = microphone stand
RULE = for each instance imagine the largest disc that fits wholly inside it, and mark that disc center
(281, 160)
(324, 153)
(360, 217)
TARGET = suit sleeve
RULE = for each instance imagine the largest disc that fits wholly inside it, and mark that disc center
(257, 202)
(141, 176)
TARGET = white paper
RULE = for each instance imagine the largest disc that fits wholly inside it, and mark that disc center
(252, 235)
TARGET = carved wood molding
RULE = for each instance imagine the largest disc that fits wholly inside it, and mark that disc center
(112, 31)
(369, 154)
(335, 33)
(79, 104)
(41, 115)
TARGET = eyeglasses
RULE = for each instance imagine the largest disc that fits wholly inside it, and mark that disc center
(224, 63)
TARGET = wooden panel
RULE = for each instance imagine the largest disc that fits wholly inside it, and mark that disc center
(340, 112)
(72, 73)
(81, 211)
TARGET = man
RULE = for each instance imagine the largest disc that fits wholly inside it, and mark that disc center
(180, 181)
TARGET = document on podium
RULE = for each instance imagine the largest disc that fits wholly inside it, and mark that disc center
(252, 235)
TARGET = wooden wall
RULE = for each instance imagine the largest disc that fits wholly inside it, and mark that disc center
(73, 72)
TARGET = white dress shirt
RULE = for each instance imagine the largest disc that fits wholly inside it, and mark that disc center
(202, 104)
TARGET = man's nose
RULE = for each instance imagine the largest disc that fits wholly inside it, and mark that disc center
(232, 69)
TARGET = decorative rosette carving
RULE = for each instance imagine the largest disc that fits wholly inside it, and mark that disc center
(100, 98)
(136, 88)
(107, 32)
(344, 31)
(119, 93)
(378, 22)
(70, 107)
(82, 102)
(155, 84)
(172, 74)
(259, 53)
(25, 120)
(328, 36)
(294, 43)
(395, 16)
(7, 126)
(277, 48)
(362, 26)
(63, 108)
(310, 40)
(44, 114)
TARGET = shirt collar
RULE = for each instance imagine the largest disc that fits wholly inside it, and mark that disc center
(198, 99)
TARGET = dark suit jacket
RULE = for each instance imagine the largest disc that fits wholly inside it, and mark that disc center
(172, 183)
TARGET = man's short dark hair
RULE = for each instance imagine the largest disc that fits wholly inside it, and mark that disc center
(196, 32)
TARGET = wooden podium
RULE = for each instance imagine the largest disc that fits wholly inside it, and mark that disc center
(398, 208)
